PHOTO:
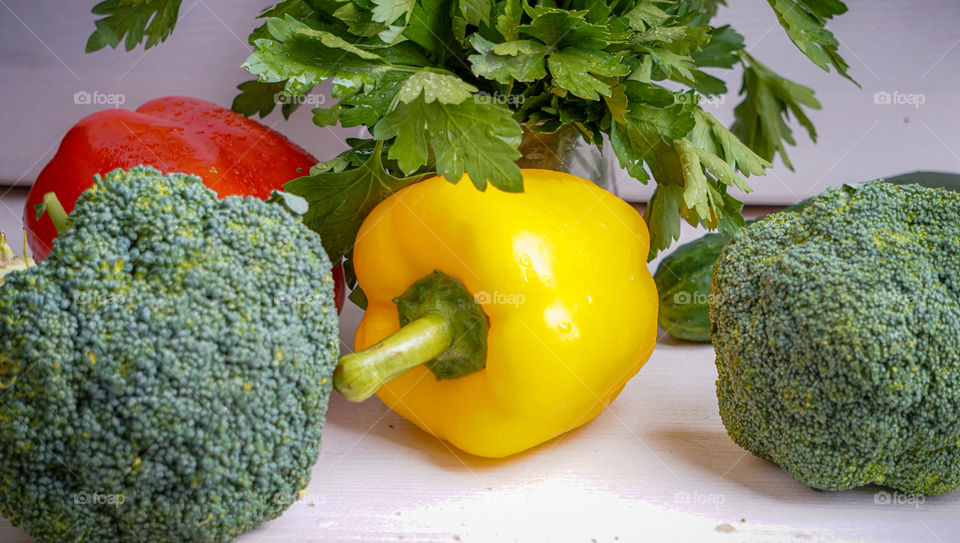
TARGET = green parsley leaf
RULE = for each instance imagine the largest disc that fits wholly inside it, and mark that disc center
(142, 21)
(649, 131)
(727, 154)
(367, 107)
(359, 153)
(326, 116)
(804, 21)
(433, 86)
(409, 148)
(509, 14)
(558, 27)
(721, 50)
(520, 60)
(298, 9)
(359, 21)
(645, 15)
(476, 12)
(339, 201)
(477, 138)
(259, 98)
(430, 27)
(769, 101)
(681, 144)
(388, 11)
(571, 69)
(304, 57)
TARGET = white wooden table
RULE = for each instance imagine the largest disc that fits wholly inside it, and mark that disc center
(656, 466)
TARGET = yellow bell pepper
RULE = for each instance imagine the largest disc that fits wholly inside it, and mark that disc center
(558, 270)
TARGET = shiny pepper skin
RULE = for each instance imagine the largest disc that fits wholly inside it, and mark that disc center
(560, 271)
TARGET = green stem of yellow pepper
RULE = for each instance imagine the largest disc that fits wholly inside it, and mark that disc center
(442, 326)
(360, 374)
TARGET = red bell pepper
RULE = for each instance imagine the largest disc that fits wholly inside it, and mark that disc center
(234, 156)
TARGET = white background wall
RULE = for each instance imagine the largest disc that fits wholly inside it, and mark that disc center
(892, 45)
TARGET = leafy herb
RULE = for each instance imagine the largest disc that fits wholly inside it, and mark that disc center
(141, 21)
(804, 21)
(259, 98)
(762, 119)
(449, 86)
(340, 200)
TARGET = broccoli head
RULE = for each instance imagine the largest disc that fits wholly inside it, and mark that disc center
(835, 330)
(166, 369)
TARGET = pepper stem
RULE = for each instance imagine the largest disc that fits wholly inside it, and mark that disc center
(441, 326)
(360, 374)
(53, 207)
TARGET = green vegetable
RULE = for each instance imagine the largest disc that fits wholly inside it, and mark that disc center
(683, 278)
(146, 21)
(450, 87)
(167, 368)
(835, 330)
(683, 283)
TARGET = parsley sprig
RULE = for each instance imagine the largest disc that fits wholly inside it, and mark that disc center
(425, 77)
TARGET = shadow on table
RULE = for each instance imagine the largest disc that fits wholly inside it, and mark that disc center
(373, 421)
(714, 453)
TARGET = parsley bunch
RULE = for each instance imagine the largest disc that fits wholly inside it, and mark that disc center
(447, 87)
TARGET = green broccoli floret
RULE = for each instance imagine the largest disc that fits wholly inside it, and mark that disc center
(836, 334)
(166, 369)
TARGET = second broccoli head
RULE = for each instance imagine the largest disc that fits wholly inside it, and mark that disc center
(835, 328)
(166, 369)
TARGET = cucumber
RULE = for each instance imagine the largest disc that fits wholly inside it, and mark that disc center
(683, 284)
